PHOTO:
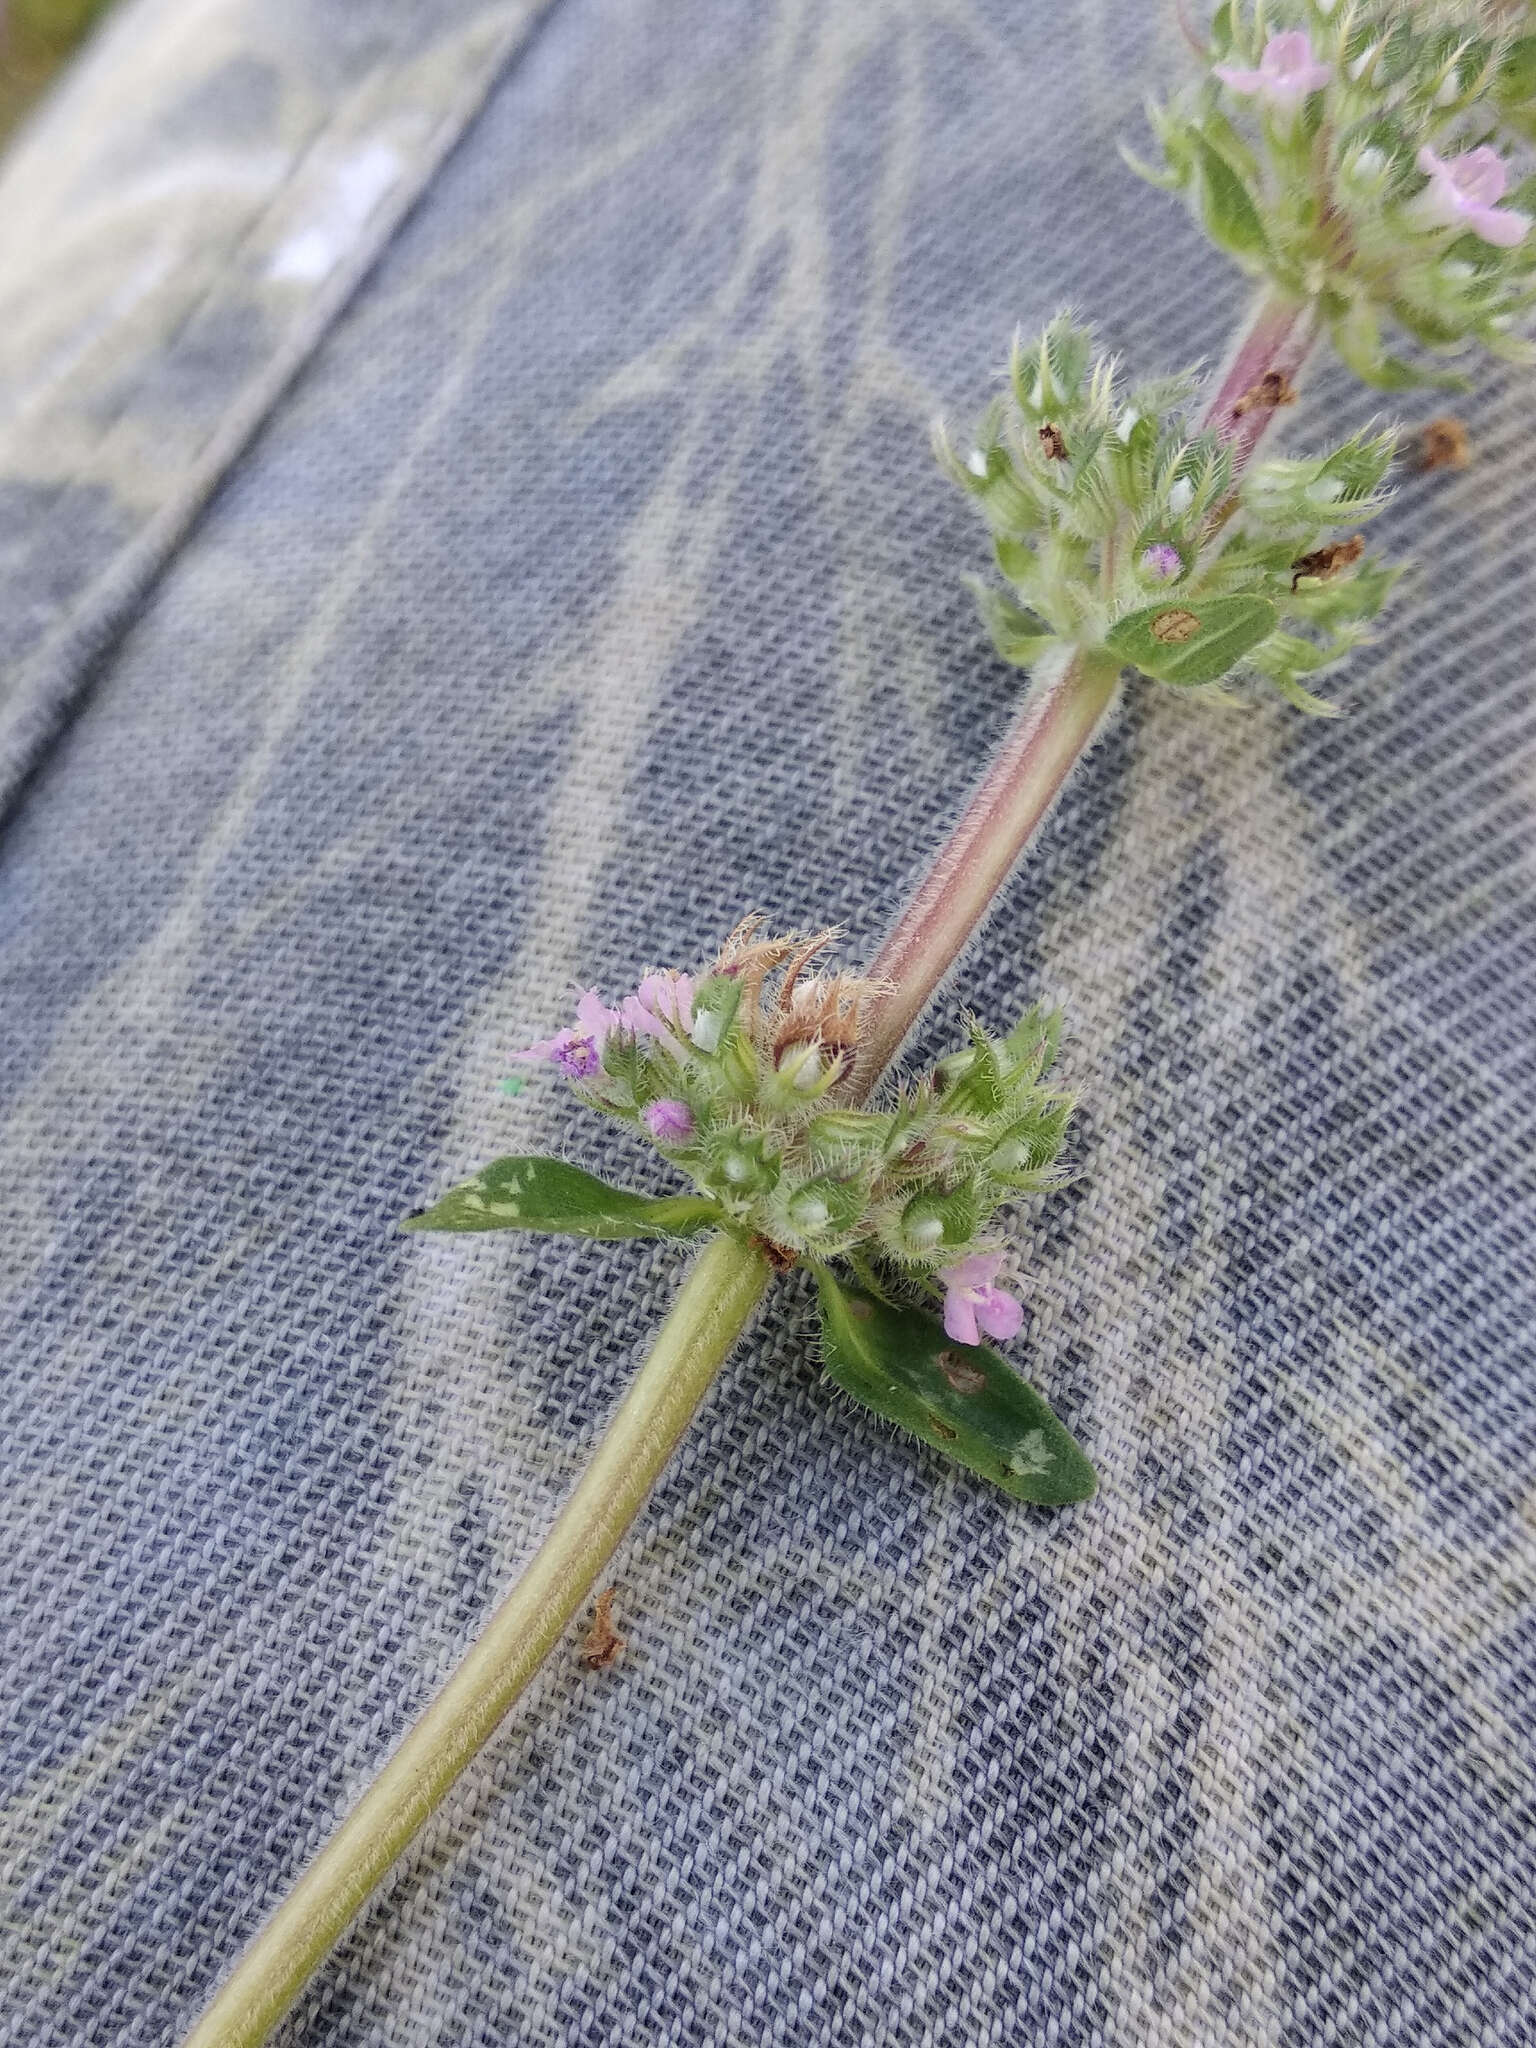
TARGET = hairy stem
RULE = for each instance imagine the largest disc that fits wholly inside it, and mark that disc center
(723, 1287)
(1278, 338)
(1053, 728)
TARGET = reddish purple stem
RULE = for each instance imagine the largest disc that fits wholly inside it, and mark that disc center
(1278, 339)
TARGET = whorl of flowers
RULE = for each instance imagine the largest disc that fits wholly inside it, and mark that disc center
(1121, 532)
(733, 1073)
(1360, 154)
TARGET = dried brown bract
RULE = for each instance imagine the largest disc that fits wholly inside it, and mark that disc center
(801, 1009)
(1326, 563)
(1443, 444)
(1053, 442)
(604, 1646)
(1273, 389)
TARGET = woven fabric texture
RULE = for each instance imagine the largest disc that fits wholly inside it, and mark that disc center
(591, 584)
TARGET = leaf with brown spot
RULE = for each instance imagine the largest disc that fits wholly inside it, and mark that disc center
(962, 1399)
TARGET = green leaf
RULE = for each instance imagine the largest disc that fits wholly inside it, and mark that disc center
(1231, 218)
(1301, 698)
(547, 1194)
(961, 1398)
(1032, 1044)
(1289, 654)
(1192, 642)
(1018, 635)
(1016, 558)
(1165, 181)
(1517, 74)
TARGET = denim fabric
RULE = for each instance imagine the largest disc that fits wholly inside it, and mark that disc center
(589, 584)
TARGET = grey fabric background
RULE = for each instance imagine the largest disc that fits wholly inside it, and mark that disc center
(588, 584)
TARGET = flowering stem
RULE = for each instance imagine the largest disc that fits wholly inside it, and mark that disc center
(1065, 709)
(1067, 706)
(723, 1287)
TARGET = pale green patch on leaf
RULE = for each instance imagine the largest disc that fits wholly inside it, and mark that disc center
(546, 1194)
(1192, 642)
(962, 1399)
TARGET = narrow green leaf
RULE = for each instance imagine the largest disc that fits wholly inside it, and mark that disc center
(1192, 642)
(1301, 698)
(1032, 1044)
(1231, 219)
(963, 1399)
(1290, 654)
(547, 1194)
(1517, 74)
(1018, 635)
(1165, 181)
(1016, 559)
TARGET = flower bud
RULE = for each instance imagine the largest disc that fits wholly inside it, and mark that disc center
(825, 1207)
(714, 1009)
(932, 1223)
(670, 1122)
(801, 1068)
(740, 1170)
(1366, 167)
(1161, 562)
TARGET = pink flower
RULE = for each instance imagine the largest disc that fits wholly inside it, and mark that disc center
(1161, 561)
(669, 1122)
(1287, 71)
(578, 1051)
(973, 1303)
(1464, 191)
(661, 1008)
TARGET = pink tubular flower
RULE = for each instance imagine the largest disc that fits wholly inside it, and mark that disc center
(669, 1122)
(1287, 71)
(661, 1008)
(1464, 191)
(578, 1051)
(974, 1303)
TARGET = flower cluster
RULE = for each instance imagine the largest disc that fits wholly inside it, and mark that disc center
(1122, 532)
(734, 1074)
(1357, 153)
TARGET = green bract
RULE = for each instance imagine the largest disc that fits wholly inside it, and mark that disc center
(1327, 191)
(1121, 531)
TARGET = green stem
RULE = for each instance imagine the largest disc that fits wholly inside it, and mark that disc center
(722, 1288)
